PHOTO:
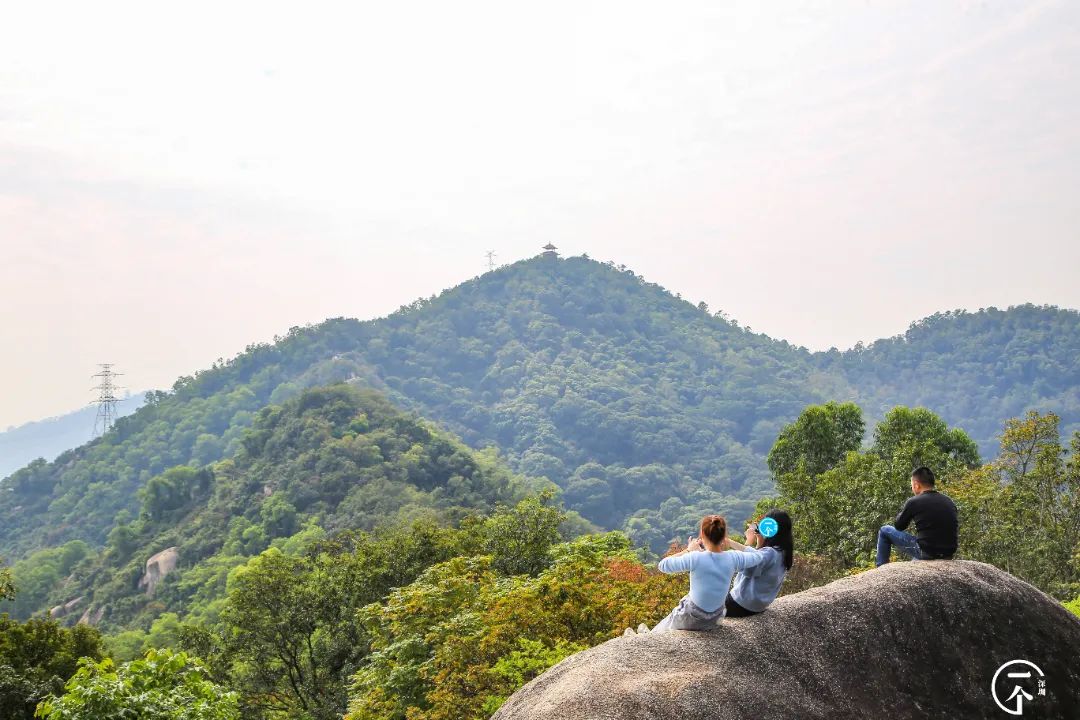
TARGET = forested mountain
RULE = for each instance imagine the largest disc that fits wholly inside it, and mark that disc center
(323, 539)
(48, 438)
(643, 407)
(341, 457)
(974, 368)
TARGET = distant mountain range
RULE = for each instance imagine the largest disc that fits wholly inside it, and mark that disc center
(641, 406)
(49, 437)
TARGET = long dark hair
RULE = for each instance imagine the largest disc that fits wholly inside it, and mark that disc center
(782, 540)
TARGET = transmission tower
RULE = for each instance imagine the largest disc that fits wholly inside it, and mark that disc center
(490, 255)
(106, 402)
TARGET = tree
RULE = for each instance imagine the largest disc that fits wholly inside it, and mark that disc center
(289, 636)
(36, 658)
(7, 584)
(911, 437)
(817, 441)
(457, 641)
(838, 510)
(162, 686)
(1022, 511)
(520, 539)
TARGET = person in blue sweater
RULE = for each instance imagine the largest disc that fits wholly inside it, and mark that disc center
(757, 587)
(710, 568)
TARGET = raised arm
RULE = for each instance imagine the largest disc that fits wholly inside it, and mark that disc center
(679, 563)
(744, 559)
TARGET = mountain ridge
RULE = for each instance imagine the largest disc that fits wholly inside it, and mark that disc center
(624, 394)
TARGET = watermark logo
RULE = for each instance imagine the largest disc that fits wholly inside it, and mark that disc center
(768, 527)
(1021, 682)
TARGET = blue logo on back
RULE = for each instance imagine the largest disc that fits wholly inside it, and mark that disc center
(768, 527)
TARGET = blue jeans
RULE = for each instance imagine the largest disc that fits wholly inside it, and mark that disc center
(889, 537)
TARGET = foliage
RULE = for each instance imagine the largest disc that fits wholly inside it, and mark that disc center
(161, 686)
(7, 584)
(36, 658)
(1073, 606)
(288, 637)
(519, 539)
(818, 440)
(461, 638)
(329, 459)
(1020, 512)
(36, 576)
(623, 394)
(974, 369)
(840, 496)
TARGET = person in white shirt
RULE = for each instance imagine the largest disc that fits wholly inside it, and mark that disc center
(711, 569)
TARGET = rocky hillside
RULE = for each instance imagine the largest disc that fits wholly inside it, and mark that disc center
(908, 640)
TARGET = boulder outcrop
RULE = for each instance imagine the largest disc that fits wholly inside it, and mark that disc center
(65, 609)
(907, 640)
(91, 616)
(158, 566)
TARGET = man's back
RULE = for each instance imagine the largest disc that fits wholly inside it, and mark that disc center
(935, 518)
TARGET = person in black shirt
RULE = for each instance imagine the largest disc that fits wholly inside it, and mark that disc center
(935, 520)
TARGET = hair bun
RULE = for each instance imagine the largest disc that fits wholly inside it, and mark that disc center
(714, 527)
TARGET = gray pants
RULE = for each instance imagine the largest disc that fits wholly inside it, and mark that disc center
(688, 616)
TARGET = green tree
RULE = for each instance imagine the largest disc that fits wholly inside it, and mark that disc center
(36, 658)
(838, 511)
(911, 437)
(161, 686)
(289, 636)
(1022, 511)
(818, 440)
(519, 539)
(7, 584)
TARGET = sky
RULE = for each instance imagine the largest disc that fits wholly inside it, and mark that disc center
(178, 181)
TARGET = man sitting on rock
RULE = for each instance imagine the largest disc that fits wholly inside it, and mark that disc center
(935, 520)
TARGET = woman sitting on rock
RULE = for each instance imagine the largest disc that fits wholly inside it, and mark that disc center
(710, 569)
(756, 587)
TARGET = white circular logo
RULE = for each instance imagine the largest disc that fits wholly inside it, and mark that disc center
(1019, 685)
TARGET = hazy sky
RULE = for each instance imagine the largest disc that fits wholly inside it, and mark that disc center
(180, 180)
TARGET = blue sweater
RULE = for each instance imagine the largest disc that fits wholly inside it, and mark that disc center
(755, 588)
(710, 573)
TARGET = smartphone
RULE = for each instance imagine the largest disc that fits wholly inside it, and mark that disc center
(752, 527)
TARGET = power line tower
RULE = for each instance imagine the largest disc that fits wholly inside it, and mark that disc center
(106, 402)
(490, 255)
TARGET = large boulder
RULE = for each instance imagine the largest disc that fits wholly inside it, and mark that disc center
(907, 640)
(157, 567)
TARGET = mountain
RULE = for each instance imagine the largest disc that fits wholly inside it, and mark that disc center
(48, 438)
(643, 407)
(975, 369)
(342, 457)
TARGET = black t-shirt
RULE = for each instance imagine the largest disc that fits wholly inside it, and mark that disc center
(935, 520)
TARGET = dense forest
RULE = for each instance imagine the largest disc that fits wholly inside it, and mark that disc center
(642, 407)
(441, 612)
(403, 517)
(329, 460)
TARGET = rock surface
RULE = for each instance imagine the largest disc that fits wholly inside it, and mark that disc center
(91, 616)
(61, 610)
(907, 640)
(158, 566)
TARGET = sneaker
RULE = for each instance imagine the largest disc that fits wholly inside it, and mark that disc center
(642, 628)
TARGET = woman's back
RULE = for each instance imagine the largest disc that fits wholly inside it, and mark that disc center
(756, 587)
(710, 573)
